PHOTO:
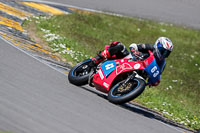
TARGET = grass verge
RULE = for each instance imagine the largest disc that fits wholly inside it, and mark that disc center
(79, 36)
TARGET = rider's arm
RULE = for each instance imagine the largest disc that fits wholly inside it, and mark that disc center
(162, 65)
(145, 47)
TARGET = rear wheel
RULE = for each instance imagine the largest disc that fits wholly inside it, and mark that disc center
(79, 74)
(124, 92)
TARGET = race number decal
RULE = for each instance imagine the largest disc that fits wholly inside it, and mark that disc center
(153, 71)
(108, 67)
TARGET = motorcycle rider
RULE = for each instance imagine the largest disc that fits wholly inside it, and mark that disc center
(161, 50)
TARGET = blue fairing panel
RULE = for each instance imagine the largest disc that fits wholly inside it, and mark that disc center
(108, 67)
(154, 71)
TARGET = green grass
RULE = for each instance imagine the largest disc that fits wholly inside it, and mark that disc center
(83, 35)
(1, 131)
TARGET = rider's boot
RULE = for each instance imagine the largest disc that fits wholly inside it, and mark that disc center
(100, 57)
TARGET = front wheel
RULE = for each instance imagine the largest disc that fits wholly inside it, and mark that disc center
(79, 74)
(124, 92)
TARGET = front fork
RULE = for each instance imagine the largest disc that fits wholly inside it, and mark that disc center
(132, 76)
(91, 75)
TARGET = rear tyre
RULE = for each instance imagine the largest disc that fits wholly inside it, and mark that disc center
(120, 93)
(79, 74)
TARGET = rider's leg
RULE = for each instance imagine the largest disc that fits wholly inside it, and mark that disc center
(101, 56)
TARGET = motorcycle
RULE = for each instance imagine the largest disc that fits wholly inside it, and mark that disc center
(122, 79)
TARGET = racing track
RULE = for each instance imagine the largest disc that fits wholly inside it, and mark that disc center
(35, 98)
(184, 12)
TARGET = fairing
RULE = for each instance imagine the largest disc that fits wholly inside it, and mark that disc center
(111, 69)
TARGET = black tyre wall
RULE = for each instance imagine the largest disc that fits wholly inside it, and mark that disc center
(128, 97)
(76, 80)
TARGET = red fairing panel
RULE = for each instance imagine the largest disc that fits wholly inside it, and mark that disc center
(104, 83)
(109, 70)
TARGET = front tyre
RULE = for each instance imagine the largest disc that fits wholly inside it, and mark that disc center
(122, 93)
(79, 74)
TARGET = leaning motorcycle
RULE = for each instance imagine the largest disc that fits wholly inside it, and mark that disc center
(122, 79)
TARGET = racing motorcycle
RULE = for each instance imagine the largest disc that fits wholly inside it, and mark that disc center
(122, 79)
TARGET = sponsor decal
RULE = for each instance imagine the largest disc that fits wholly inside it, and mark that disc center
(105, 84)
(137, 66)
(147, 62)
(101, 75)
(123, 67)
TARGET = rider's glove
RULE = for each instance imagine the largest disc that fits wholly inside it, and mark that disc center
(135, 53)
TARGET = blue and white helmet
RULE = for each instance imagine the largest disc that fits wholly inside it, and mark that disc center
(163, 46)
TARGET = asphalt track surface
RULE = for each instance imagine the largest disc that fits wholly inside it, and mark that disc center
(35, 98)
(182, 12)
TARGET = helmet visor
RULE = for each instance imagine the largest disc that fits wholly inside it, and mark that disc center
(164, 52)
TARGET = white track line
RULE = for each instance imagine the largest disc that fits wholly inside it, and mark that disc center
(30, 55)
